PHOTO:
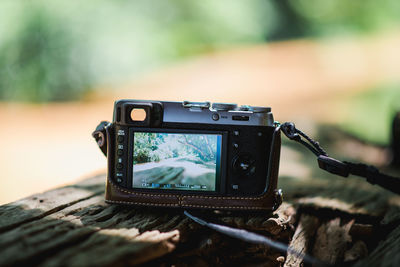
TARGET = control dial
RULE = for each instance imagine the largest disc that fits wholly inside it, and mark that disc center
(245, 108)
(244, 164)
(261, 109)
(223, 106)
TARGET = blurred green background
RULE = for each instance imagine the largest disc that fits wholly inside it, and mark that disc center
(60, 52)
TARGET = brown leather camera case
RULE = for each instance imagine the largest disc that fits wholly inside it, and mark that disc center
(269, 200)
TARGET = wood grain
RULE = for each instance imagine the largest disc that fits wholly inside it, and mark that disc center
(302, 239)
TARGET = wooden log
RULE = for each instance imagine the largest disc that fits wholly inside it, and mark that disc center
(283, 219)
(73, 226)
(361, 231)
(39, 205)
(79, 226)
(161, 175)
(358, 251)
(392, 215)
(386, 254)
(280, 220)
(331, 206)
(301, 239)
(86, 230)
(117, 247)
(331, 241)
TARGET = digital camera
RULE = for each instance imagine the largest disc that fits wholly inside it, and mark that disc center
(192, 155)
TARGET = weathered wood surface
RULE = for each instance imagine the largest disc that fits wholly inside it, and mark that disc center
(88, 231)
(333, 219)
(302, 239)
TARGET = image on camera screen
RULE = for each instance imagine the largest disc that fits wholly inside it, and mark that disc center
(177, 161)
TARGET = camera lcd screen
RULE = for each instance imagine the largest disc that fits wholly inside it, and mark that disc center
(177, 161)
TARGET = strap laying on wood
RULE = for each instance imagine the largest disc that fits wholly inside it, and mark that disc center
(254, 238)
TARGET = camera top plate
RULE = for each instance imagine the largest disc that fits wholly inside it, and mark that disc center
(159, 112)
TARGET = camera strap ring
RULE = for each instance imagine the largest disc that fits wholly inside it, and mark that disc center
(100, 135)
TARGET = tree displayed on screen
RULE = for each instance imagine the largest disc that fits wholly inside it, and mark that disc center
(153, 147)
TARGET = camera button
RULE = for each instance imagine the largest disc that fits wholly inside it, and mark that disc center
(244, 164)
(215, 116)
(119, 177)
(120, 139)
(120, 166)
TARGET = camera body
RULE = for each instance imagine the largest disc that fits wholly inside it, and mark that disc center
(193, 154)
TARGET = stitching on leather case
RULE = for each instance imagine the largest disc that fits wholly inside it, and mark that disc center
(143, 203)
(199, 197)
(183, 206)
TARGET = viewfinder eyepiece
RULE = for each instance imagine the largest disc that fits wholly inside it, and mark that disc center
(138, 114)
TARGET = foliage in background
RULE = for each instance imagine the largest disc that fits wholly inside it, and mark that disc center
(371, 113)
(57, 50)
(153, 147)
(38, 64)
(337, 17)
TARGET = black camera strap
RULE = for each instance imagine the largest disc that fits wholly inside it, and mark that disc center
(341, 168)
